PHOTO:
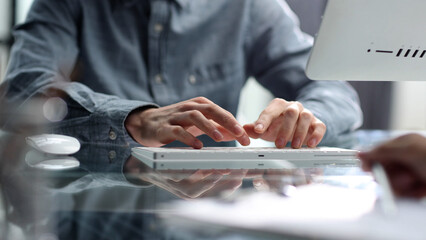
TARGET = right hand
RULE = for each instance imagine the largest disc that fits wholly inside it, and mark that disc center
(284, 121)
(404, 159)
(184, 121)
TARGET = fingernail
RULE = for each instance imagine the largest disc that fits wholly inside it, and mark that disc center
(312, 142)
(259, 127)
(280, 143)
(198, 144)
(238, 130)
(296, 143)
(217, 135)
(245, 141)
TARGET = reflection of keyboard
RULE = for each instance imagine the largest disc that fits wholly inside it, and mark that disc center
(244, 157)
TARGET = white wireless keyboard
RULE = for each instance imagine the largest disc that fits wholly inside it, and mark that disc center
(244, 157)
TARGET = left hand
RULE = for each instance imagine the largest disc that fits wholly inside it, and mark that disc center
(284, 121)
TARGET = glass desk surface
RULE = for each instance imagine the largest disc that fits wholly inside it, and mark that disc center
(112, 195)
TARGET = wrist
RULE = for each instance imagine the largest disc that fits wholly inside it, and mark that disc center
(134, 122)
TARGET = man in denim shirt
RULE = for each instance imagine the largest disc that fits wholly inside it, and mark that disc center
(134, 70)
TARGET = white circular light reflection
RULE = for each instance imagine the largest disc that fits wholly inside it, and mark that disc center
(55, 109)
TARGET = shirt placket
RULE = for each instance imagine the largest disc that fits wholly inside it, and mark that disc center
(156, 45)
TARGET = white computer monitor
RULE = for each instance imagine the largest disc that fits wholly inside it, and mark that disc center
(370, 40)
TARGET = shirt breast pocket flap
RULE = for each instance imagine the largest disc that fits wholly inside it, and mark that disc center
(216, 72)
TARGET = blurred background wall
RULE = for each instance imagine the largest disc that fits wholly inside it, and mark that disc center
(386, 105)
(5, 25)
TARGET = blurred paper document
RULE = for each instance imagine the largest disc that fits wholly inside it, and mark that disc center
(319, 211)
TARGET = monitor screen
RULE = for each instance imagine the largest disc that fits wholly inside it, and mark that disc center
(370, 40)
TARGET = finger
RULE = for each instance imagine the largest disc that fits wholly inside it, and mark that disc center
(222, 117)
(280, 130)
(213, 111)
(302, 128)
(274, 129)
(402, 180)
(290, 118)
(272, 132)
(197, 119)
(316, 133)
(244, 140)
(393, 149)
(417, 192)
(249, 128)
(405, 184)
(171, 133)
(201, 100)
(382, 155)
(366, 163)
(271, 112)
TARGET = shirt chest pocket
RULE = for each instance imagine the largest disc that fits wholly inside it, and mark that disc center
(217, 81)
(216, 74)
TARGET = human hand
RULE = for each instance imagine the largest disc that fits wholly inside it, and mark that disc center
(184, 121)
(284, 121)
(404, 160)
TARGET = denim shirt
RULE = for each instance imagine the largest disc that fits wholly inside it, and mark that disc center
(93, 51)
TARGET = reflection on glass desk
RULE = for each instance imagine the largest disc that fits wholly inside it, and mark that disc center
(112, 195)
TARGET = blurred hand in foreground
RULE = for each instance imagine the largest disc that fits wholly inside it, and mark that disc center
(404, 159)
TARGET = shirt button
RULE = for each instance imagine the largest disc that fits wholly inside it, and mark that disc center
(192, 79)
(158, 27)
(159, 79)
(112, 155)
(112, 135)
(152, 226)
